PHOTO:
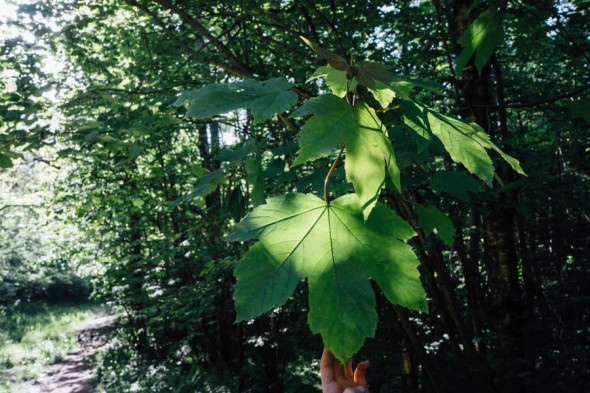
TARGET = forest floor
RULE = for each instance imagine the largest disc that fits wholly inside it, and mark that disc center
(74, 373)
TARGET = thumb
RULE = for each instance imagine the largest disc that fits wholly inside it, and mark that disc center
(359, 373)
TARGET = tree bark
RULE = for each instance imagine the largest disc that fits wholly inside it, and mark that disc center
(497, 220)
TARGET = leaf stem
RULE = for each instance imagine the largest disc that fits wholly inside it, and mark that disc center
(330, 173)
(341, 148)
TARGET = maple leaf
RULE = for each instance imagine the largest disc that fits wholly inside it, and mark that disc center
(369, 153)
(335, 61)
(480, 38)
(336, 80)
(300, 236)
(466, 143)
(430, 218)
(265, 98)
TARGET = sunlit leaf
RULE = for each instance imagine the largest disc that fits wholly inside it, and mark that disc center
(336, 80)
(369, 153)
(300, 236)
(464, 143)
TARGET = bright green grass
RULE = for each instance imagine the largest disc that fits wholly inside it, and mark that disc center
(37, 334)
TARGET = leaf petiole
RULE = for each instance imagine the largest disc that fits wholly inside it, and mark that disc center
(339, 153)
(330, 173)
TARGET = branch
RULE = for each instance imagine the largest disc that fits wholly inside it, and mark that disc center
(45, 162)
(137, 92)
(286, 47)
(332, 26)
(288, 122)
(195, 53)
(18, 205)
(312, 29)
(236, 71)
(205, 33)
(278, 23)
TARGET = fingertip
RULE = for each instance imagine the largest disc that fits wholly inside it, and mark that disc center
(348, 368)
(362, 366)
(327, 358)
(360, 372)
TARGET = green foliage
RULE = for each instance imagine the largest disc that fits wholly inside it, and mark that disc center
(336, 80)
(456, 184)
(465, 143)
(157, 186)
(480, 38)
(264, 98)
(300, 236)
(205, 185)
(5, 161)
(430, 218)
(40, 256)
(369, 153)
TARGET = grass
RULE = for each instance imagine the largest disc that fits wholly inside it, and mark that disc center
(38, 334)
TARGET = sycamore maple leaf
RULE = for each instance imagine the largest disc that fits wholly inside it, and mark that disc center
(300, 236)
(369, 153)
(264, 99)
(466, 143)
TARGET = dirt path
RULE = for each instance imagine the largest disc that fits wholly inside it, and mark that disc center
(74, 374)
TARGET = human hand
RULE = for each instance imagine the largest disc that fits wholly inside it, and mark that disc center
(339, 378)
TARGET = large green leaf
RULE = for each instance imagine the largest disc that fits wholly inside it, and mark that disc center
(264, 99)
(301, 236)
(369, 153)
(481, 37)
(513, 162)
(415, 119)
(382, 93)
(463, 142)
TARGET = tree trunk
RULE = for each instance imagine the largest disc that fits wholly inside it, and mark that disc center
(497, 222)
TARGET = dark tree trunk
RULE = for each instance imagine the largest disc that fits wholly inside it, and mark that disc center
(506, 306)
